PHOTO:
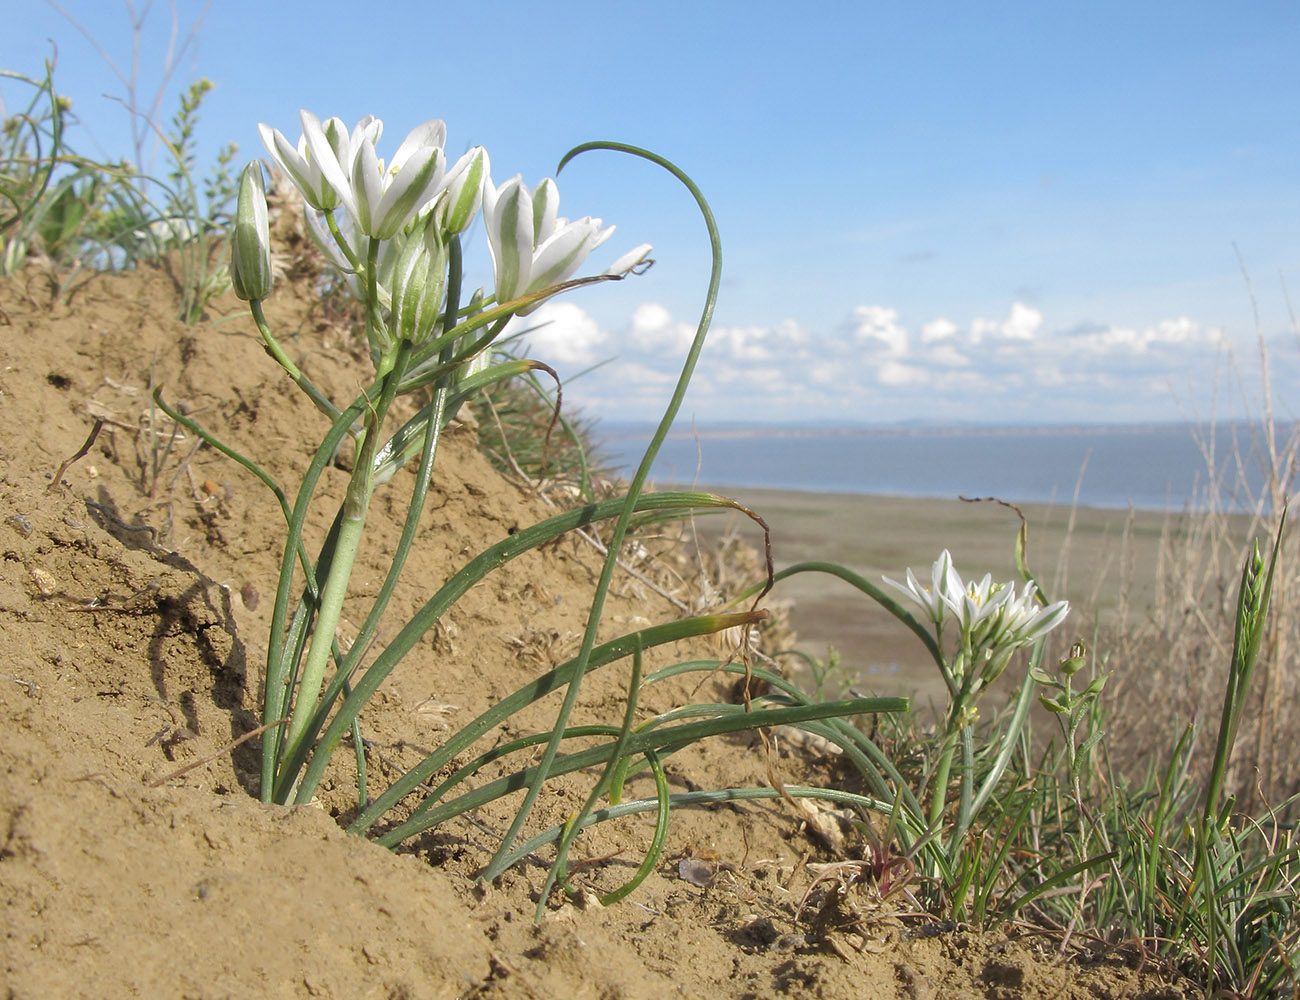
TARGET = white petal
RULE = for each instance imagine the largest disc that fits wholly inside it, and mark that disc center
(629, 260)
(324, 239)
(367, 186)
(563, 253)
(368, 127)
(412, 186)
(546, 204)
(464, 185)
(292, 162)
(325, 159)
(508, 212)
(431, 133)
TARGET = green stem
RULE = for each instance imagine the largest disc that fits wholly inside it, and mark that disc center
(433, 417)
(617, 759)
(331, 609)
(939, 797)
(343, 245)
(708, 798)
(497, 713)
(351, 526)
(284, 647)
(381, 344)
(666, 741)
(497, 864)
(1252, 611)
(274, 349)
(292, 764)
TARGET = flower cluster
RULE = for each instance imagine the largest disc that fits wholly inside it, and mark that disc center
(991, 619)
(387, 225)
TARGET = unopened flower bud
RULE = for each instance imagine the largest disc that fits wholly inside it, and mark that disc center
(418, 279)
(250, 248)
(1073, 663)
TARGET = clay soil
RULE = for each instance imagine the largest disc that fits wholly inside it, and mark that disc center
(135, 595)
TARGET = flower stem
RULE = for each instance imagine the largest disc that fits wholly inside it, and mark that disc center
(274, 349)
(334, 590)
(939, 796)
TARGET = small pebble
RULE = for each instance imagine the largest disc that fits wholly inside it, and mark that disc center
(787, 943)
(696, 872)
(45, 582)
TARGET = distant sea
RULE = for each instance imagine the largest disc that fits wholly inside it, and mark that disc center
(1151, 467)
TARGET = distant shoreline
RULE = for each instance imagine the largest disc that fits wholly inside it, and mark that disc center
(618, 431)
(1063, 504)
(1155, 467)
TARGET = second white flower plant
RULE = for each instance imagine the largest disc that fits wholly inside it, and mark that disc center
(990, 621)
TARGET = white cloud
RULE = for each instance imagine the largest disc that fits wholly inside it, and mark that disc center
(980, 329)
(1018, 366)
(759, 379)
(947, 355)
(560, 333)
(741, 343)
(938, 329)
(825, 373)
(1182, 332)
(878, 326)
(655, 330)
(641, 375)
(897, 374)
(1023, 324)
(787, 340)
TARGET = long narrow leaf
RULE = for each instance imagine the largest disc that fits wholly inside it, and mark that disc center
(662, 740)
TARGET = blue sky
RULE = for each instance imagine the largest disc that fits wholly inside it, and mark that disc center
(1019, 212)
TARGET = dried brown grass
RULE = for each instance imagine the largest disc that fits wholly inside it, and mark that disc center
(1171, 665)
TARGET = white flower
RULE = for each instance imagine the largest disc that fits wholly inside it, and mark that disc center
(314, 164)
(976, 605)
(943, 579)
(1009, 622)
(333, 167)
(1026, 620)
(990, 616)
(386, 199)
(170, 231)
(532, 248)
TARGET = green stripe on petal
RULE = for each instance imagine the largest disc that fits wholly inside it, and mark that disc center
(413, 186)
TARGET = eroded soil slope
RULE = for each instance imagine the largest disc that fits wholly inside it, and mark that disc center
(134, 604)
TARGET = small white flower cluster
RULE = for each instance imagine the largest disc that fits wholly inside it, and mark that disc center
(992, 620)
(413, 205)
